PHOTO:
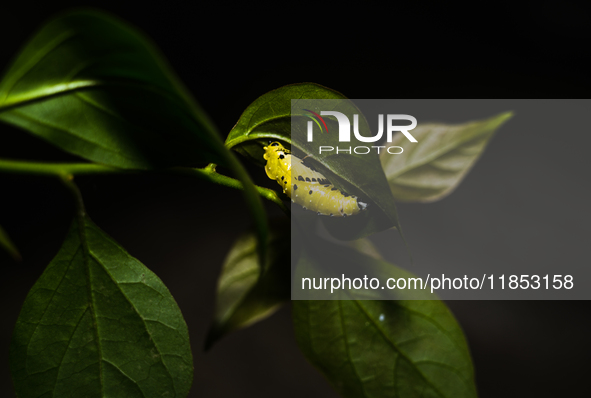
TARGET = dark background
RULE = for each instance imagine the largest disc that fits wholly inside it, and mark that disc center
(228, 55)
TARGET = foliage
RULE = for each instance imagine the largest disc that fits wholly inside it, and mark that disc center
(98, 323)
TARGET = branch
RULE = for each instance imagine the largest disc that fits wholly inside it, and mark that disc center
(55, 169)
(209, 174)
(66, 170)
(68, 181)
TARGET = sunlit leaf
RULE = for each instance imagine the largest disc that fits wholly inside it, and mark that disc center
(95, 87)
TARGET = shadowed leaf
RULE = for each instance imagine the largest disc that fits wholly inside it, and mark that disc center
(98, 323)
(382, 348)
(244, 296)
(270, 118)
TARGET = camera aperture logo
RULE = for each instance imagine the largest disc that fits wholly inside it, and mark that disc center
(317, 119)
(345, 132)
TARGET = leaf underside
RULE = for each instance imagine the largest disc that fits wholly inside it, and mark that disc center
(432, 168)
(97, 88)
(98, 323)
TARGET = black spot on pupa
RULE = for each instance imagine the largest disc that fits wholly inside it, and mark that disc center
(295, 187)
(282, 177)
(310, 192)
(275, 144)
(281, 156)
(308, 179)
(334, 189)
(300, 178)
(327, 185)
(313, 179)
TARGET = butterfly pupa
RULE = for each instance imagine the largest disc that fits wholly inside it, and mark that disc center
(310, 189)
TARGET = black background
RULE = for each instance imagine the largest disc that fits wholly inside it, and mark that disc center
(228, 55)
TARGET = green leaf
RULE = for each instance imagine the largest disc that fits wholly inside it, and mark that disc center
(387, 348)
(95, 87)
(7, 244)
(244, 296)
(432, 168)
(270, 118)
(98, 323)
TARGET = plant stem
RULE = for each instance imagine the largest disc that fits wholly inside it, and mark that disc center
(209, 174)
(8, 245)
(68, 181)
(55, 169)
(67, 170)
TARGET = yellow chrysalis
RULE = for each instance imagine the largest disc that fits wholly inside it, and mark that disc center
(310, 188)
